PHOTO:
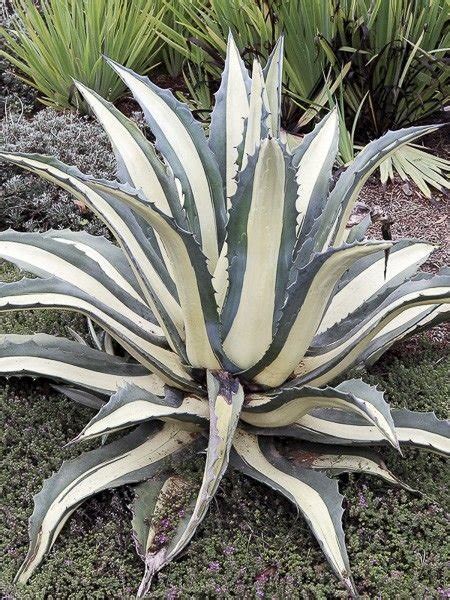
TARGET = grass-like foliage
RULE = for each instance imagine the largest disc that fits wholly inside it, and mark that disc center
(65, 39)
(388, 59)
(235, 298)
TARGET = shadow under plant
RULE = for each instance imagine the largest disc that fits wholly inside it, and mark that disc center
(249, 546)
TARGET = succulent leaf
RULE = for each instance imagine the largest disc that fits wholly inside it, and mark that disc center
(226, 397)
(192, 277)
(63, 360)
(330, 426)
(230, 112)
(342, 459)
(132, 405)
(307, 298)
(128, 460)
(314, 494)
(288, 405)
(183, 144)
(150, 350)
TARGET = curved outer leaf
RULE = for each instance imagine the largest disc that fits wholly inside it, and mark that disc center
(80, 396)
(43, 255)
(287, 405)
(137, 161)
(329, 426)
(194, 282)
(133, 458)
(260, 245)
(409, 322)
(149, 269)
(344, 194)
(231, 109)
(341, 459)
(152, 497)
(182, 142)
(64, 360)
(314, 494)
(307, 299)
(225, 401)
(273, 76)
(110, 258)
(314, 160)
(371, 276)
(146, 496)
(343, 348)
(131, 405)
(149, 350)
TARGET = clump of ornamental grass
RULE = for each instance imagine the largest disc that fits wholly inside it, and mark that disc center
(238, 296)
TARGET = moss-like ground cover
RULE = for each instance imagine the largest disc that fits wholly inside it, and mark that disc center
(252, 544)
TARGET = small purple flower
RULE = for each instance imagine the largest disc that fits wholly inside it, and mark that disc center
(161, 538)
(214, 566)
(172, 594)
(362, 499)
(229, 550)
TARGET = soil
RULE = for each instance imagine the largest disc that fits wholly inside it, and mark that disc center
(414, 215)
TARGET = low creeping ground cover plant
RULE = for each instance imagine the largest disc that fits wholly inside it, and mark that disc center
(238, 297)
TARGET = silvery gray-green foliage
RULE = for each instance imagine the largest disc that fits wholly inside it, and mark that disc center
(238, 295)
(32, 204)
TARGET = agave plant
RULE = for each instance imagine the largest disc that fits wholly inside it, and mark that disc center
(238, 296)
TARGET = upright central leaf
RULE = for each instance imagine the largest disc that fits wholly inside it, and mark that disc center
(256, 241)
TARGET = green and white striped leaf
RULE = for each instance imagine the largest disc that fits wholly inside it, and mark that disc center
(342, 345)
(226, 397)
(314, 494)
(137, 161)
(192, 277)
(182, 142)
(287, 405)
(133, 458)
(111, 259)
(314, 160)
(261, 237)
(149, 269)
(132, 405)
(329, 426)
(153, 498)
(371, 276)
(149, 350)
(273, 76)
(43, 355)
(308, 296)
(77, 264)
(410, 322)
(258, 121)
(344, 194)
(230, 112)
(341, 459)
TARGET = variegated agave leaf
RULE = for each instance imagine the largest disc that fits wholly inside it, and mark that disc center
(235, 297)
